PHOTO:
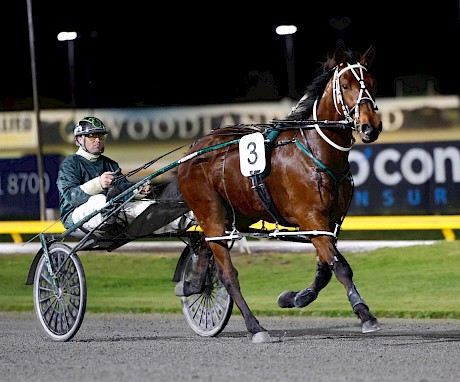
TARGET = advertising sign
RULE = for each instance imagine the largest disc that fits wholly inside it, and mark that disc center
(406, 179)
(163, 124)
(18, 130)
(20, 188)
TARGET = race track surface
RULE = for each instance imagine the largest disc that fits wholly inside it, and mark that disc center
(149, 347)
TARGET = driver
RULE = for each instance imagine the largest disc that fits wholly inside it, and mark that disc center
(85, 177)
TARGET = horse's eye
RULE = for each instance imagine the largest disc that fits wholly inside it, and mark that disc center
(345, 86)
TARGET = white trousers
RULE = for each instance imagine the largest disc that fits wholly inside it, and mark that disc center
(129, 212)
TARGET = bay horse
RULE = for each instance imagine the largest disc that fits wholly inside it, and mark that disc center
(308, 183)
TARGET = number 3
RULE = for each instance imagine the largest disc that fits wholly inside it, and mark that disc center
(252, 154)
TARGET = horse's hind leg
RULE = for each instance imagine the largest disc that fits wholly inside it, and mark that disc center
(229, 277)
(195, 283)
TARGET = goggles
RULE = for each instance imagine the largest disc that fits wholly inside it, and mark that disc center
(93, 137)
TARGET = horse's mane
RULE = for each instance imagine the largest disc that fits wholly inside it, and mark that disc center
(304, 107)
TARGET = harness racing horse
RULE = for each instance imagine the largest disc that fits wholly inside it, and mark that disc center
(307, 181)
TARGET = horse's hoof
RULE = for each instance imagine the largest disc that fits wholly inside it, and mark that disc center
(370, 326)
(179, 289)
(261, 337)
(286, 299)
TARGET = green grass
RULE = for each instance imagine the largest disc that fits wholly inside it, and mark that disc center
(410, 282)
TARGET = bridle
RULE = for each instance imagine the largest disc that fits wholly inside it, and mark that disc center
(350, 115)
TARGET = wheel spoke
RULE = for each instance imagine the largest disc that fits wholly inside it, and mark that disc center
(60, 302)
(208, 312)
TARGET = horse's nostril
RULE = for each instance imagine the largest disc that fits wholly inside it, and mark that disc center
(369, 133)
(366, 129)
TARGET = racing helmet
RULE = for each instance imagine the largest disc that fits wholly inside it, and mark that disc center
(89, 125)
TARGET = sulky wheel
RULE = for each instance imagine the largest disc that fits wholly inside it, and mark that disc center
(208, 312)
(60, 292)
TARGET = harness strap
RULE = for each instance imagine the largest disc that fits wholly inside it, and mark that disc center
(265, 198)
(261, 189)
(324, 136)
(318, 162)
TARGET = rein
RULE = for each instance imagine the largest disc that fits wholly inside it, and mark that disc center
(307, 123)
(144, 166)
(272, 132)
(110, 203)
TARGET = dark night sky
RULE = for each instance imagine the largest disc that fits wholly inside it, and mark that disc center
(145, 54)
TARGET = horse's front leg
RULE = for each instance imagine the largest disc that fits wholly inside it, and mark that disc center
(344, 274)
(229, 277)
(329, 259)
(300, 299)
(328, 253)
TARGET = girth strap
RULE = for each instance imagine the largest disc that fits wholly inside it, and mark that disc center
(264, 196)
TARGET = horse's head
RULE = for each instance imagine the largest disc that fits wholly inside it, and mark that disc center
(353, 92)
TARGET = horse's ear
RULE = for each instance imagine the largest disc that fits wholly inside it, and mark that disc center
(368, 57)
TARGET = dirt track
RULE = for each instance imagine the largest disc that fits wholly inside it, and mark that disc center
(163, 348)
